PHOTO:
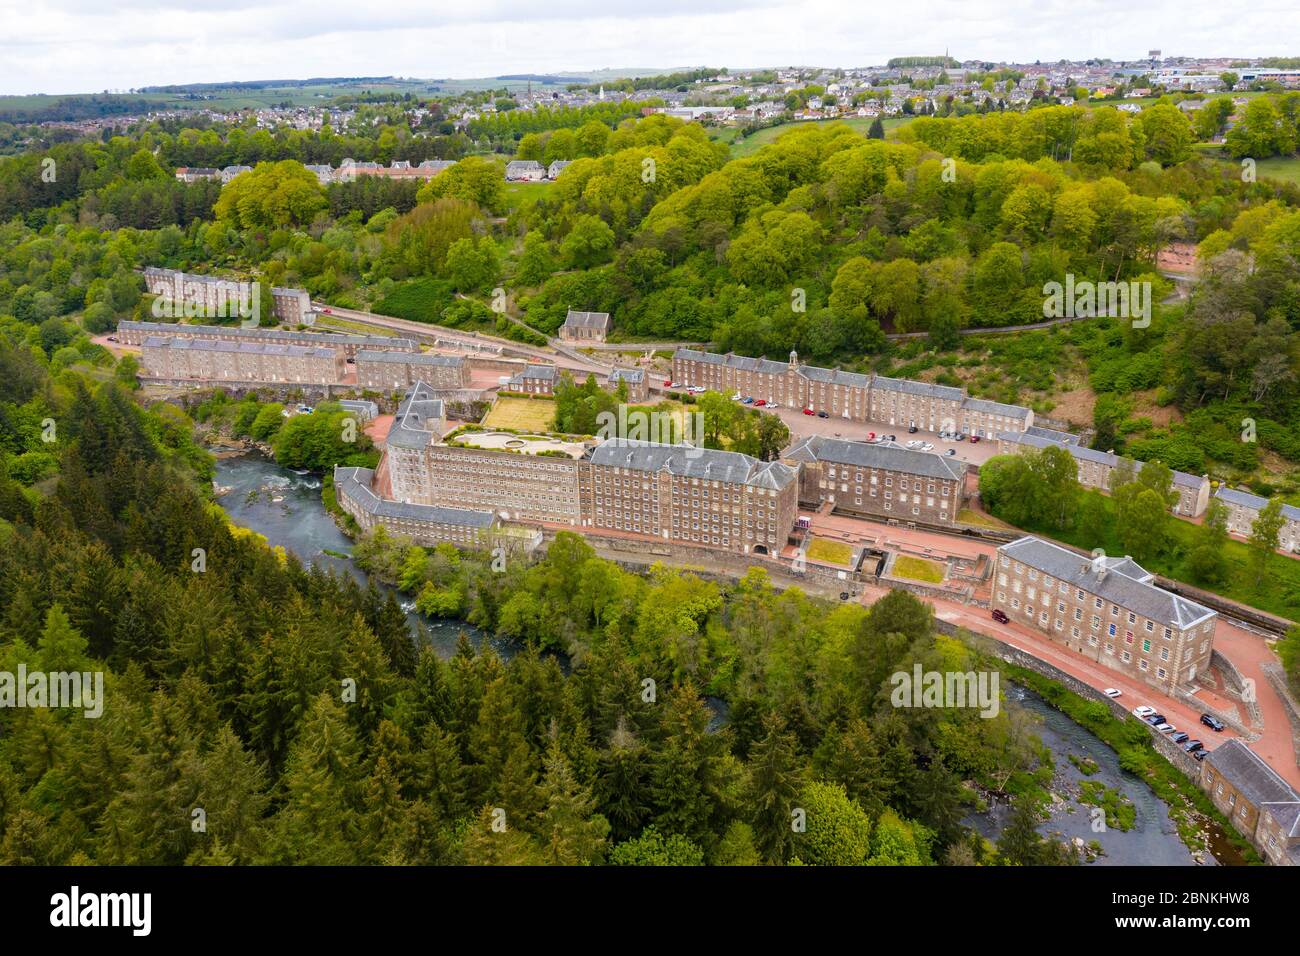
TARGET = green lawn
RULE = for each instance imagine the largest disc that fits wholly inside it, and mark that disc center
(519, 195)
(832, 552)
(917, 569)
(1286, 168)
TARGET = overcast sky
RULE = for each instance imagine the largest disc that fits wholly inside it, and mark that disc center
(73, 46)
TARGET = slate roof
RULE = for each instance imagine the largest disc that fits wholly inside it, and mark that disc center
(535, 373)
(410, 358)
(586, 320)
(1051, 434)
(998, 408)
(688, 461)
(411, 424)
(918, 388)
(324, 338)
(257, 348)
(886, 455)
(1255, 503)
(1126, 583)
(632, 376)
(1256, 780)
(354, 484)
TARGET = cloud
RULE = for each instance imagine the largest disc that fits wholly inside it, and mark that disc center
(62, 46)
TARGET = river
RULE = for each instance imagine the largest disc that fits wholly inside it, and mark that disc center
(286, 508)
(1152, 841)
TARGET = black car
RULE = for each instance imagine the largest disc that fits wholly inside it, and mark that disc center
(891, 438)
(1000, 616)
(822, 415)
(1214, 723)
(1156, 720)
(1179, 737)
(912, 430)
(1193, 745)
(1200, 754)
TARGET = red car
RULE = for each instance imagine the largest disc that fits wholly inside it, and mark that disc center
(760, 403)
(809, 411)
(668, 382)
(328, 311)
(999, 616)
(974, 439)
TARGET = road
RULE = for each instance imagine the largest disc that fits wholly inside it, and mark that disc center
(561, 357)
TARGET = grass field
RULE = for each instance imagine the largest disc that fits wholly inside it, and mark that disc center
(917, 569)
(1286, 168)
(980, 519)
(741, 147)
(519, 195)
(521, 414)
(832, 552)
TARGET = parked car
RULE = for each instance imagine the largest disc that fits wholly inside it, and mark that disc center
(328, 311)
(891, 438)
(1143, 711)
(809, 411)
(773, 405)
(974, 439)
(1000, 616)
(696, 389)
(1200, 754)
(871, 436)
(112, 338)
(675, 385)
(822, 415)
(1166, 728)
(668, 382)
(1193, 745)
(1179, 737)
(1214, 723)
(1154, 719)
(760, 403)
(912, 429)
(747, 400)
(951, 451)
(1112, 693)
(926, 446)
(961, 436)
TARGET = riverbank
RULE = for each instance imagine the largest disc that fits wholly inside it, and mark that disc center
(1200, 825)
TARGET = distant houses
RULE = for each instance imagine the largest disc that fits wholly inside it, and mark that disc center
(325, 174)
(192, 174)
(525, 171)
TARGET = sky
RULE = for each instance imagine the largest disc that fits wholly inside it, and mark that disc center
(78, 46)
